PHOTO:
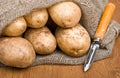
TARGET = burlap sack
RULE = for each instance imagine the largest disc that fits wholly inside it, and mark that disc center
(91, 13)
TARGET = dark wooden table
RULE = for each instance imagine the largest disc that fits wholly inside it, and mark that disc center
(107, 68)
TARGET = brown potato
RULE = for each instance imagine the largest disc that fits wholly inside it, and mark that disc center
(73, 41)
(37, 18)
(16, 52)
(42, 40)
(15, 28)
(65, 14)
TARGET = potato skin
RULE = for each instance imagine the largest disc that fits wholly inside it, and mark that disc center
(37, 18)
(16, 52)
(42, 40)
(15, 28)
(73, 41)
(65, 14)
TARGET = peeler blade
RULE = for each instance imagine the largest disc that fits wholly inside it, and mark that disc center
(90, 56)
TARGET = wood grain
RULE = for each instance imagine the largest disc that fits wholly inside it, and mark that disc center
(107, 68)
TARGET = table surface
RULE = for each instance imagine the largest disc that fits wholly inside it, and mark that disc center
(107, 68)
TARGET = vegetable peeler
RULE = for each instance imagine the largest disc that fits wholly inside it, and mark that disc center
(99, 34)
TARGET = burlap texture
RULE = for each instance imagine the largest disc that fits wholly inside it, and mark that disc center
(91, 13)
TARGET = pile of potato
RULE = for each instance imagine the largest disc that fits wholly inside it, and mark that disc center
(34, 33)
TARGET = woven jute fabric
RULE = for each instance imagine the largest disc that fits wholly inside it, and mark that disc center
(91, 13)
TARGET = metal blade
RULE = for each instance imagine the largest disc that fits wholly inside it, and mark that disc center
(90, 56)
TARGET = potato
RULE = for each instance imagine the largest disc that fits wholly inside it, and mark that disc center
(73, 41)
(15, 28)
(16, 52)
(42, 40)
(65, 14)
(37, 18)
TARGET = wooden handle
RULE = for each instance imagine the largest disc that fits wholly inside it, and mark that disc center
(105, 20)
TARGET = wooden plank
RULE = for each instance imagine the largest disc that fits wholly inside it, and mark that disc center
(6, 72)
